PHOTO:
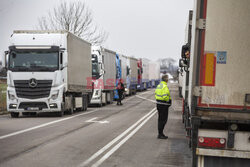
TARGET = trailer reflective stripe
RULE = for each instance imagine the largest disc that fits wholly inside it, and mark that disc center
(209, 69)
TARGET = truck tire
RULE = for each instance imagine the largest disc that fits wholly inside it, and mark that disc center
(105, 100)
(84, 102)
(100, 104)
(111, 98)
(71, 109)
(14, 114)
(60, 113)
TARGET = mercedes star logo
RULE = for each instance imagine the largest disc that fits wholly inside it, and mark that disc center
(32, 83)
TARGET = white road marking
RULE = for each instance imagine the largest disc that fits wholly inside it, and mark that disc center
(4, 115)
(94, 121)
(146, 98)
(116, 147)
(43, 125)
(98, 153)
(153, 101)
(146, 92)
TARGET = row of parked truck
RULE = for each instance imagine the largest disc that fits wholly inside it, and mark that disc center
(55, 71)
(214, 83)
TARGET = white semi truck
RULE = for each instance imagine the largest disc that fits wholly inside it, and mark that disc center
(104, 75)
(217, 99)
(48, 71)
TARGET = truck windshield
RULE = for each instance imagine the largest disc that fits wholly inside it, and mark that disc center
(34, 61)
(95, 67)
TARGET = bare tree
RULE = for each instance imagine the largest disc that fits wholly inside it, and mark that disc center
(76, 18)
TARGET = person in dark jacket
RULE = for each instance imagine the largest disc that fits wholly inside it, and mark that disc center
(120, 89)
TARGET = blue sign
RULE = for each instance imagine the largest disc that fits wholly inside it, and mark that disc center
(221, 57)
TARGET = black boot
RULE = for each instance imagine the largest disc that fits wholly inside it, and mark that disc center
(162, 136)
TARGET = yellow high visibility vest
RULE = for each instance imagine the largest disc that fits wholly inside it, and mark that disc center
(162, 92)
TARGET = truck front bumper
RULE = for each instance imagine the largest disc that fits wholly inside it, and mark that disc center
(49, 104)
(96, 100)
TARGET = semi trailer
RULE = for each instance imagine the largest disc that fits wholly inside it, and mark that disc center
(132, 76)
(104, 75)
(118, 74)
(124, 71)
(216, 109)
(139, 78)
(145, 73)
(154, 74)
(48, 71)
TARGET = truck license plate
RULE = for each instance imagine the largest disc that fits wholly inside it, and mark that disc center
(33, 108)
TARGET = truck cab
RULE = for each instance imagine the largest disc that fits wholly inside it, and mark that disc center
(103, 75)
(35, 75)
(40, 76)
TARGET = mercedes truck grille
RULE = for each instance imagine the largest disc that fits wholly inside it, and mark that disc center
(26, 88)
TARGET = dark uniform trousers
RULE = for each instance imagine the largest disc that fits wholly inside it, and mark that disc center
(162, 117)
(120, 92)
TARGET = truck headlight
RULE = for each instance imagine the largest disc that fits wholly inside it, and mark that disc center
(11, 95)
(55, 95)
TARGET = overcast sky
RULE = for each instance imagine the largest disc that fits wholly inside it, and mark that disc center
(141, 28)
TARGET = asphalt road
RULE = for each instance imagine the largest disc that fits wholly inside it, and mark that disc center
(111, 136)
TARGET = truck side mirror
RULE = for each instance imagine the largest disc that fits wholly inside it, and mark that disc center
(128, 69)
(61, 65)
(1, 65)
(6, 58)
(101, 69)
(182, 63)
(184, 50)
(61, 58)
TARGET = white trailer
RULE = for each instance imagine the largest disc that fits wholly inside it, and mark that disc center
(145, 73)
(133, 75)
(154, 73)
(48, 71)
(124, 68)
(217, 108)
(104, 75)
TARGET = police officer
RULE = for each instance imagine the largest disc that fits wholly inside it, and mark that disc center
(163, 98)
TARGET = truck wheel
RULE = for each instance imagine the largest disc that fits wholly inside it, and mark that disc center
(105, 100)
(14, 114)
(84, 102)
(100, 104)
(111, 97)
(71, 109)
(61, 113)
